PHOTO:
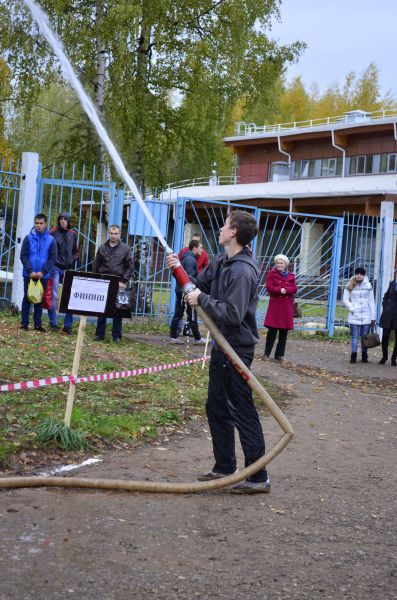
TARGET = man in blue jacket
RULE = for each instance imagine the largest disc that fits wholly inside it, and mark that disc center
(38, 256)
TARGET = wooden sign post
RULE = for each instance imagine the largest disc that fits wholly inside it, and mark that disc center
(85, 294)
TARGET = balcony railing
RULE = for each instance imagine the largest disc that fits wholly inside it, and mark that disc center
(242, 128)
(202, 181)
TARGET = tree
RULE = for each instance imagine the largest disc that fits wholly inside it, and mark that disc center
(132, 53)
(5, 90)
(54, 126)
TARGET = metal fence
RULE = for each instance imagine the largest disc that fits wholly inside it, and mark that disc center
(87, 196)
(324, 251)
(10, 177)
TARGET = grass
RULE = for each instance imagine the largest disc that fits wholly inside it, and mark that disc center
(108, 412)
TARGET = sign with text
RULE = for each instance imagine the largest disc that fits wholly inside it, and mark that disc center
(89, 294)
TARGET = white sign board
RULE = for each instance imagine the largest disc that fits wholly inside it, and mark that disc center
(88, 294)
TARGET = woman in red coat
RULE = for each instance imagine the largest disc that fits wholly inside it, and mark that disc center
(281, 287)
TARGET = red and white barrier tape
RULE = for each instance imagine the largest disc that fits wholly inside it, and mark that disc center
(36, 383)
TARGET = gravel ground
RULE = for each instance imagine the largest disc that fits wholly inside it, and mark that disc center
(326, 530)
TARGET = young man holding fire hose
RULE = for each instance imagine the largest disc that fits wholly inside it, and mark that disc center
(228, 291)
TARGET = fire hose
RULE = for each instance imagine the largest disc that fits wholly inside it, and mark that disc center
(186, 285)
(179, 488)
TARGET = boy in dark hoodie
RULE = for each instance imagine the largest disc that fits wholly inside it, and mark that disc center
(67, 253)
(228, 291)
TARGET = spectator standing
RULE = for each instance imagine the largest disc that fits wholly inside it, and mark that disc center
(114, 257)
(388, 321)
(189, 263)
(281, 287)
(202, 260)
(358, 297)
(38, 257)
(67, 253)
(228, 291)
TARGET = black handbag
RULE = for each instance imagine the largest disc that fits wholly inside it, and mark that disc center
(123, 304)
(371, 339)
(297, 310)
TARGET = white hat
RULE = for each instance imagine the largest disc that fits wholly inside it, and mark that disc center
(282, 257)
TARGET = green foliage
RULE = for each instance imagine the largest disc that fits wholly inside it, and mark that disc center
(107, 412)
(51, 430)
(205, 54)
(296, 103)
(5, 90)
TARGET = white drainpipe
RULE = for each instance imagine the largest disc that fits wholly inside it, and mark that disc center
(283, 151)
(341, 149)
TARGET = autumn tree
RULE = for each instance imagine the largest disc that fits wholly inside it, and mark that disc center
(132, 54)
(5, 90)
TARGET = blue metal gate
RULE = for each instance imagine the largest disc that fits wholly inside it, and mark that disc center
(88, 197)
(10, 177)
(312, 243)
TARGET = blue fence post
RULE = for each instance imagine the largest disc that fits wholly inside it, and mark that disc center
(39, 190)
(335, 266)
(116, 206)
(257, 215)
(179, 238)
(379, 295)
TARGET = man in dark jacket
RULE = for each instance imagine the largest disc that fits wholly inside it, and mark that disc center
(228, 291)
(113, 258)
(67, 253)
(189, 263)
(38, 256)
(202, 260)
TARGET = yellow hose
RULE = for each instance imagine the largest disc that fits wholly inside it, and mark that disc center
(178, 488)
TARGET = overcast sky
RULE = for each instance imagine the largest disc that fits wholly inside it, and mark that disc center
(342, 36)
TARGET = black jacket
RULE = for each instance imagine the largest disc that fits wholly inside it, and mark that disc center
(189, 263)
(388, 318)
(114, 260)
(230, 297)
(66, 239)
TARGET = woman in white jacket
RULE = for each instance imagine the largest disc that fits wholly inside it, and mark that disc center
(358, 297)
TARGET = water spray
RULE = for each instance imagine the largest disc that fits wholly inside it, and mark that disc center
(187, 286)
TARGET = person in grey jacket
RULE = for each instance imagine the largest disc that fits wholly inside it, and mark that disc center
(228, 291)
(388, 321)
(114, 257)
(358, 297)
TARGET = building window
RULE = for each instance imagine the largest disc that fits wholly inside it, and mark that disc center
(388, 163)
(304, 168)
(360, 165)
(331, 167)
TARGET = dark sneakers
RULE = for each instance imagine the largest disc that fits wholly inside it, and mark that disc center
(25, 327)
(54, 327)
(212, 475)
(67, 330)
(41, 329)
(251, 487)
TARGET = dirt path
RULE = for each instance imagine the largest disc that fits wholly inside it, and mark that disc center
(327, 530)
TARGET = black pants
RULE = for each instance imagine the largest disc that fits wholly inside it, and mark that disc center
(116, 327)
(385, 343)
(178, 315)
(230, 405)
(271, 338)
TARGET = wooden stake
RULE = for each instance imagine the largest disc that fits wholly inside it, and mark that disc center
(205, 349)
(75, 369)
